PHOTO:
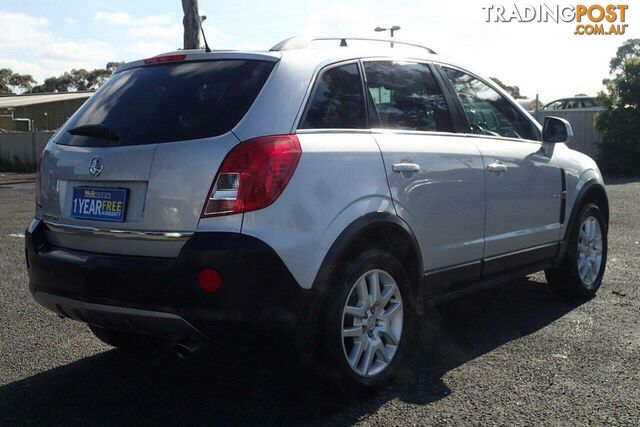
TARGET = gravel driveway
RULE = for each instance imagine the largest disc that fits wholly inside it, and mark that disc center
(513, 354)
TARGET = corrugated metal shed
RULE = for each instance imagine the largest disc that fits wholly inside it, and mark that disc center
(46, 111)
(32, 99)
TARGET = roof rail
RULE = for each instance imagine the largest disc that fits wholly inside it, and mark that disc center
(301, 42)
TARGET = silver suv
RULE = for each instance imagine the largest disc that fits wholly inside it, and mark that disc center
(323, 191)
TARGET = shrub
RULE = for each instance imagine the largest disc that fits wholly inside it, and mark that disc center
(619, 123)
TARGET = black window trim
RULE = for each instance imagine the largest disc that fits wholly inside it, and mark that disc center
(368, 101)
(457, 116)
(458, 126)
(467, 126)
(311, 94)
(460, 121)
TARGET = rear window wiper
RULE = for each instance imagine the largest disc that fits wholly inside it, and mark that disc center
(96, 131)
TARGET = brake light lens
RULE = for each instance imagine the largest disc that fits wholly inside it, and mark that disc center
(253, 175)
(39, 180)
(165, 58)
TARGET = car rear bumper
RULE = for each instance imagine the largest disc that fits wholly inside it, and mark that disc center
(160, 296)
(134, 320)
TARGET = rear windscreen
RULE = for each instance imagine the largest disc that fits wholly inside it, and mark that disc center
(169, 102)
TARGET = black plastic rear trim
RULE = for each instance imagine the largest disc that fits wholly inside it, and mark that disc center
(258, 291)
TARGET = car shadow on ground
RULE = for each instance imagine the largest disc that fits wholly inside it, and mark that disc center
(263, 384)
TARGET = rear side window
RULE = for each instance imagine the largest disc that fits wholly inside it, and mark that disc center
(407, 96)
(337, 101)
(488, 112)
(589, 103)
(170, 102)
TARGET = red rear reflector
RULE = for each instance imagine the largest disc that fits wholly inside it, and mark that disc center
(209, 280)
(165, 58)
(253, 175)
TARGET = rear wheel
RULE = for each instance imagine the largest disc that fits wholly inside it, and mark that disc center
(369, 320)
(126, 341)
(581, 270)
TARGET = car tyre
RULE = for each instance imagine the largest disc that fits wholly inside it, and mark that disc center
(369, 321)
(579, 273)
(126, 341)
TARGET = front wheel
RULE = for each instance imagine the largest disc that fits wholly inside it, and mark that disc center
(580, 272)
(369, 320)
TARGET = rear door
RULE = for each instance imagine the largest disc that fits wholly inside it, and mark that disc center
(523, 184)
(148, 142)
(435, 175)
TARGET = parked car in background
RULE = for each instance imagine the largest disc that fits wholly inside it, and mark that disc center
(530, 104)
(328, 193)
(574, 103)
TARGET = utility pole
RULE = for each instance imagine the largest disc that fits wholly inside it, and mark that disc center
(191, 22)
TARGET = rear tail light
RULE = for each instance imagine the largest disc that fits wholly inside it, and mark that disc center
(253, 175)
(39, 181)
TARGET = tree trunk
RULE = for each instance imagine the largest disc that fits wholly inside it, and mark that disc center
(191, 22)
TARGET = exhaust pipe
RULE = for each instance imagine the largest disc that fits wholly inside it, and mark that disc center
(185, 349)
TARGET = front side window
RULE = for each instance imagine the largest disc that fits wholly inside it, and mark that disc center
(407, 96)
(556, 105)
(337, 101)
(488, 112)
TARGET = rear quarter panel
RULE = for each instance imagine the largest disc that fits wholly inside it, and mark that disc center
(340, 177)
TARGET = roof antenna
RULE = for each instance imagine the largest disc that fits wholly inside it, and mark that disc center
(206, 45)
(343, 42)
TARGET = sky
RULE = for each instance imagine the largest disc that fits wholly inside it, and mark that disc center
(46, 38)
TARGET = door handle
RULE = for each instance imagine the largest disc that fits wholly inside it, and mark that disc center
(497, 167)
(405, 167)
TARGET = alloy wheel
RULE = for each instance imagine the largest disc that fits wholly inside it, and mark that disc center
(372, 320)
(589, 251)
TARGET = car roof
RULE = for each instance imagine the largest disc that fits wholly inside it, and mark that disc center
(308, 58)
(316, 51)
(573, 98)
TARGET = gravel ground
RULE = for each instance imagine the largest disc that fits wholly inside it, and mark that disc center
(513, 354)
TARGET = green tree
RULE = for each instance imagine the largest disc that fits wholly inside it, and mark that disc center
(113, 65)
(53, 84)
(629, 49)
(619, 123)
(78, 79)
(11, 82)
(514, 91)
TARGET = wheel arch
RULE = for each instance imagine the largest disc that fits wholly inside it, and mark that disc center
(381, 230)
(591, 192)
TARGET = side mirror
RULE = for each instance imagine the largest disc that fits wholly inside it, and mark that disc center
(555, 130)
